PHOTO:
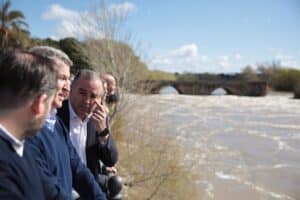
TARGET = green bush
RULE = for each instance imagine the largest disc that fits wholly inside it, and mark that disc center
(160, 75)
(285, 79)
(188, 77)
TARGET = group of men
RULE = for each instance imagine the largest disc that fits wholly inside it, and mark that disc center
(55, 140)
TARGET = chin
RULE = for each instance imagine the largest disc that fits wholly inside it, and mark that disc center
(57, 104)
(83, 115)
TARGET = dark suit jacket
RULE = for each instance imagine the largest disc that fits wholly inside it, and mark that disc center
(19, 176)
(95, 151)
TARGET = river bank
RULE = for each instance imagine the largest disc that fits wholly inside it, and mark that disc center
(150, 161)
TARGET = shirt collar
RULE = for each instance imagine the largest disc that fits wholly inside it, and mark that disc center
(17, 144)
(73, 115)
(72, 112)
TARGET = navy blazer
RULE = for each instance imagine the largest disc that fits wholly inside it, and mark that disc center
(95, 151)
(61, 166)
(19, 176)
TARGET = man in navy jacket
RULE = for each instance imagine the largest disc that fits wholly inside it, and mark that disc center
(57, 158)
(27, 85)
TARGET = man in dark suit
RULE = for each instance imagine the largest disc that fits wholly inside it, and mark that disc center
(57, 159)
(85, 117)
(27, 86)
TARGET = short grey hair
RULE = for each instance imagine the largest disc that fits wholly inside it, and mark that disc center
(51, 53)
(88, 74)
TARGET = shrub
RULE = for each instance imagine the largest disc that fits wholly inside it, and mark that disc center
(285, 79)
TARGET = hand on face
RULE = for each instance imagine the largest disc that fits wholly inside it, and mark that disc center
(99, 116)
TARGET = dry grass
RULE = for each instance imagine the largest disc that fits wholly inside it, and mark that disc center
(150, 162)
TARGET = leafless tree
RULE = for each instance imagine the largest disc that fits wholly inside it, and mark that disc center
(112, 49)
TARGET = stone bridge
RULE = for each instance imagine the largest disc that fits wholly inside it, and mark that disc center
(234, 87)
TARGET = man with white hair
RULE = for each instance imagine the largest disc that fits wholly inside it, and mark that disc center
(56, 156)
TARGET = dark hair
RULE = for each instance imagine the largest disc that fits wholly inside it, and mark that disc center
(23, 76)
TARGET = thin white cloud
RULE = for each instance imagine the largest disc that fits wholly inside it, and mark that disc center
(123, 9)
(68, 21)
(187, 59)
(77, 24)
(204, 58)
(56, 11)
(190, 50)
(184, 58)
(238, 56)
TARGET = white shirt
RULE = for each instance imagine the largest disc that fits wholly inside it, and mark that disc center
(51, 119)
(78, 133)
(17, 144)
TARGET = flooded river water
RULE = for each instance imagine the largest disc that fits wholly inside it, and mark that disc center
(239, 147)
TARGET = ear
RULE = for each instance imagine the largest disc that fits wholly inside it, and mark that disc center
(38, 104)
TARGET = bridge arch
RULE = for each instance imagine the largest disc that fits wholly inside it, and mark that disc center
(174, 86)
(222, 91)
(168, 89)
(177, 88)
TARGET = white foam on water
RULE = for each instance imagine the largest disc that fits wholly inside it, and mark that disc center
(273, 125)
(220, 147)
(283, 145)
(277, 166)
(224, 176)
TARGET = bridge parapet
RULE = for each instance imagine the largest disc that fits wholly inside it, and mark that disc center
(241, 88)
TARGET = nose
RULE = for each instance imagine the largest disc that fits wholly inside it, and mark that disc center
(67, 88)
(67, 85)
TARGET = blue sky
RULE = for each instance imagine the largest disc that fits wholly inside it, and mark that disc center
(187, 35)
